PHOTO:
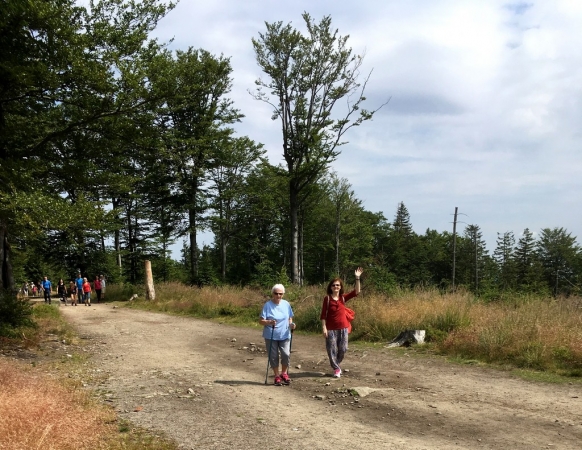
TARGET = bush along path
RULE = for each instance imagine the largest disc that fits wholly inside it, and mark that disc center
(202, 384)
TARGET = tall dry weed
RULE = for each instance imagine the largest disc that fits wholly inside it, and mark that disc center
(522, 330)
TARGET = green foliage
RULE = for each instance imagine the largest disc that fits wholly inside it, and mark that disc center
(122, 292)
(309, 320)
(14, 313)
(306, 75)
(380, 279)
(112, 147)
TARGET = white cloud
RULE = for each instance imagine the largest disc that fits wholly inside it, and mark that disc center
(485, 112)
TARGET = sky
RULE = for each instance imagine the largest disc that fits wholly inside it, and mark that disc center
(485, 110)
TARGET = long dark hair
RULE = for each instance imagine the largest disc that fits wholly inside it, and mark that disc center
(329, 291)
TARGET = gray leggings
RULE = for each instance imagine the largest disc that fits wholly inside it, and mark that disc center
(278, 346)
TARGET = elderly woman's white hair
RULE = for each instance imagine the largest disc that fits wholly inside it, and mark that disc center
(278, 286)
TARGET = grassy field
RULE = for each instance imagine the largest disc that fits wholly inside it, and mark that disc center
(526, 332)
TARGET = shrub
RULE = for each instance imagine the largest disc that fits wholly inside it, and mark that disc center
(14, 313)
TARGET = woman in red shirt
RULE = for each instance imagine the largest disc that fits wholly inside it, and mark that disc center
(97, 286)
(86, 292)
(334, 322)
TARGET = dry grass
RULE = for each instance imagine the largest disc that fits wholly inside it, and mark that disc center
(42, 408)
(542, 334)
(39, 413)
(529, 332)
(227, 302)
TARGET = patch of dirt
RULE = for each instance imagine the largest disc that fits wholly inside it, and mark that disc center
(202, 384)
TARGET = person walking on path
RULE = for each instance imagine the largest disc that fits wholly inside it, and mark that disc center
(334, 322)
(103, 283)
(277, 320)
(47, 286)
(97, 286)
(86, 292)
(73, 292)
(62, 291)
(79, 283)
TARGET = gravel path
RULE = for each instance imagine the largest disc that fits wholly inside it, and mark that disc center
(202, 384)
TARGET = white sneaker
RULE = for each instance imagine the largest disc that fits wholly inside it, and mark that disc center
(337, 373)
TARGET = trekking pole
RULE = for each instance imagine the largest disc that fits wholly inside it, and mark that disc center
(290, 347)
(269, 354)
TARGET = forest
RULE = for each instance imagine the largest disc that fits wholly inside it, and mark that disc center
(114, 147)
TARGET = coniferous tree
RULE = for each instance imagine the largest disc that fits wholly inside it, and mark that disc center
(558, 251)
(473, 258)
(504, 257)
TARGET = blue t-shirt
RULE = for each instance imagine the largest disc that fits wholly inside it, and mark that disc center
(79, 282)
(46, 284)
(281, 313)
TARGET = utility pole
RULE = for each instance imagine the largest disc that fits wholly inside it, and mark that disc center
(454, 245)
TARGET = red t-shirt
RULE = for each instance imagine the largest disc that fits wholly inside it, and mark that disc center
(86, 287)
(97, 284)
(335, 318)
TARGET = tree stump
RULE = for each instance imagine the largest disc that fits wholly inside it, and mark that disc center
(407, 337)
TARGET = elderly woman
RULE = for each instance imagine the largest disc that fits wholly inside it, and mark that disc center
(277, 319)
(334, 322)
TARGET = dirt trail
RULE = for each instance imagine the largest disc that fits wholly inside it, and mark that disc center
(190, 379)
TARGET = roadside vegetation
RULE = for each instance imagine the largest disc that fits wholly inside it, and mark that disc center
(41, 403)
(523, 331)
(44, 407)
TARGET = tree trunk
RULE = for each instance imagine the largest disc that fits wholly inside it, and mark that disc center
(6, 276)
(301, 268)
(193, 247)
(2, 251)
(223, 246)
(117, 240)
(130, 246)
(294, 208)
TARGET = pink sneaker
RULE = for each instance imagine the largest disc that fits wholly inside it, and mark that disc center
(337, 373)
(285, 378)
(278, 381)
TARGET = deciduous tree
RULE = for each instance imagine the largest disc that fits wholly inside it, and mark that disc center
(307, 75)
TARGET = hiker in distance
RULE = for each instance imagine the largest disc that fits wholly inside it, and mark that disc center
(334, 323)
(277, 320)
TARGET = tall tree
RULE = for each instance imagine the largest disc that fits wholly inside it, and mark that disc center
(473, 257)
(558, 253)
(60, 69)
(194, 121)
(504, 257)
(307, 75)
(234, 159)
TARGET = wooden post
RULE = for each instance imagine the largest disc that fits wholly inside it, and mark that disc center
(149, 279)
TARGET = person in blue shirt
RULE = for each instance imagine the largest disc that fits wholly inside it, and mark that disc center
(47, 286)
(79, 283)
(277, 320)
